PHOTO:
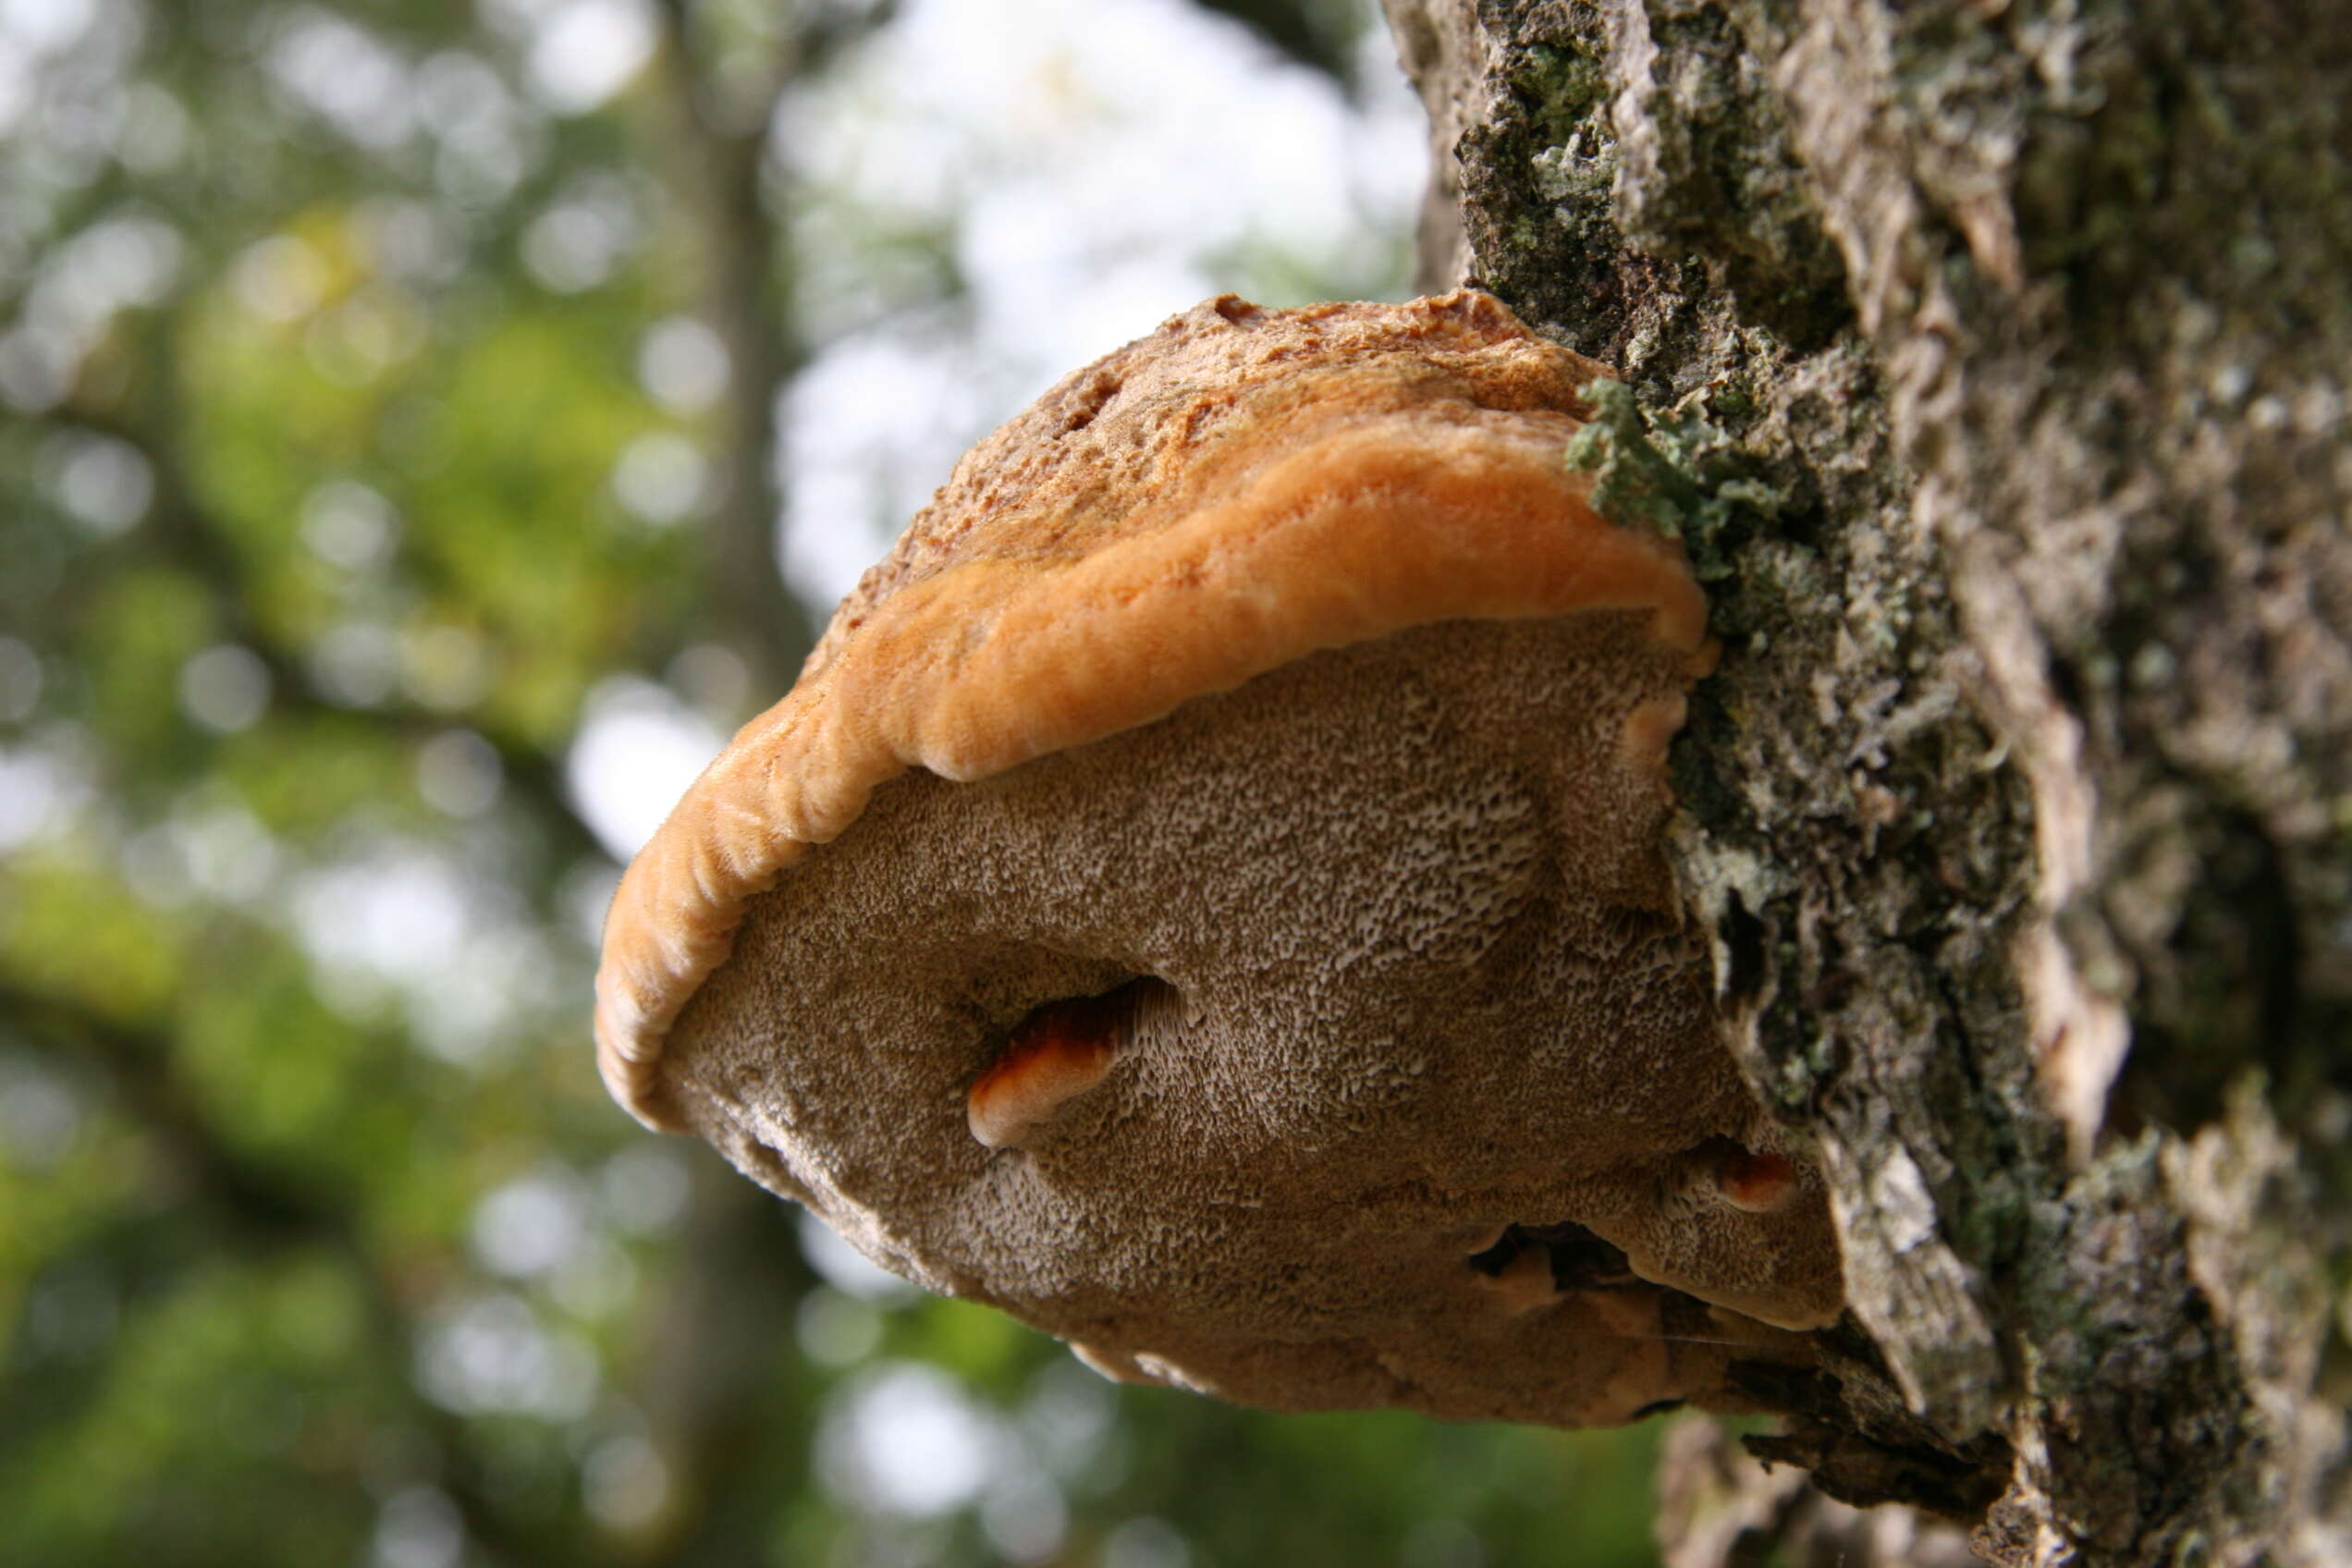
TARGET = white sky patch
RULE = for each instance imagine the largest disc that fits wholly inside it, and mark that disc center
(36, 790)
(488, 140)
(130, 259)
(464, 99)
(224, 851)
(400, 915)
(478, 1005)
(225, 688)
(105, 484)
(349, 524)
(401, 920)
(17, 84)
(871, 429)
(645, 1189)
(490, 1353)
(905, 1440)
(356, 663)
(636, 751)
(582, 238)
(46, 26)
(153, 135)
(660, 477)
(1024, 1516)
(583, 895)
(588, 50)
(1070, 1414)
(531, 1226)
(347, 76)
(682, 365)
(1098, 168)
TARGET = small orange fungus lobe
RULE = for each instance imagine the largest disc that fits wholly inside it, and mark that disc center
(1056, 1054)
(1648, 730)
(1757, 1183)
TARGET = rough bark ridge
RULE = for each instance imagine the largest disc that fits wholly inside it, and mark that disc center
(1991, 358)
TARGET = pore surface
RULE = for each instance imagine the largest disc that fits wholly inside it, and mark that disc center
(1401, 976)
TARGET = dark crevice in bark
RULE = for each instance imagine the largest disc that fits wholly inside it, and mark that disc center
(1850, 1429)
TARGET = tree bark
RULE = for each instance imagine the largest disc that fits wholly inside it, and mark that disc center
(1991, 359)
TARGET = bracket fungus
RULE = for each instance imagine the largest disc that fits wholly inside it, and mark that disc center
(1205, 896)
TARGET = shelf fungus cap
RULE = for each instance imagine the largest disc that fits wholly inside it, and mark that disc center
(1205, 895)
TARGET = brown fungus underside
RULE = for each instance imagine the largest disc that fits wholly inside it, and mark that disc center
(1206, 897)
(1370, 922)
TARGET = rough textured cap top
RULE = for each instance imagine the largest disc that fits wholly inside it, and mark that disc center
(1237, 490)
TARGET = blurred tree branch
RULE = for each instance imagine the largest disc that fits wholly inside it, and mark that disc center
(1316, 36)
(260, 1205)
(719, 1329)
(722, 153)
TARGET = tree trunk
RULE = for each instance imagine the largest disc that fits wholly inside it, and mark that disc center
(1991, 359)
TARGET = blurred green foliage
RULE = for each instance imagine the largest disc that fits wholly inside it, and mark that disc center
(322, 346)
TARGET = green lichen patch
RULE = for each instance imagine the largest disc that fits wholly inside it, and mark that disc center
(1676, 473)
